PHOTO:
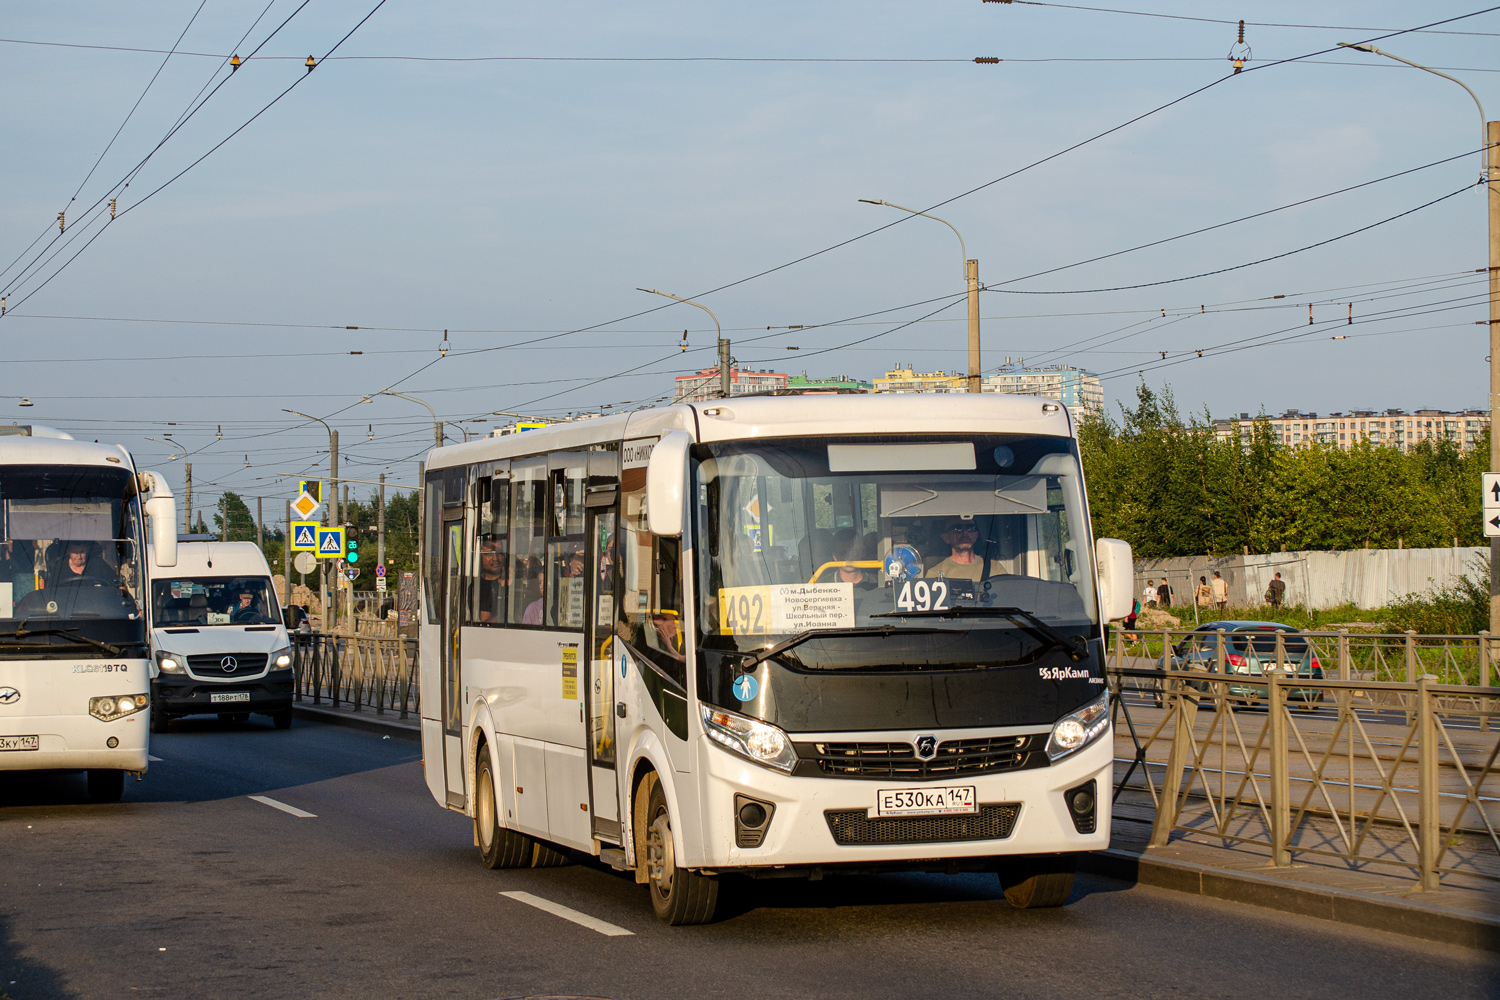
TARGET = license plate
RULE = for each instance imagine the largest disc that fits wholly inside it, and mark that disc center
(20, 743)
(222, 696)
(939, 800)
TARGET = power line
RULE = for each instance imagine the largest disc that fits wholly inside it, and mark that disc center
(1248, 24)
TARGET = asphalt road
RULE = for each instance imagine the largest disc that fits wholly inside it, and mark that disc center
(189, 888)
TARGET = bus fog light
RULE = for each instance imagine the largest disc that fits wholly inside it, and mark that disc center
(112, 742)
(1077, 730)
(759, 741)
(108, 709)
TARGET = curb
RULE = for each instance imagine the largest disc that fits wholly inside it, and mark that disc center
(1345, 906)
(367, 723)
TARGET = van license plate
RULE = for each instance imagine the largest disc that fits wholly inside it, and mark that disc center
(20, 743)
(939, 800)
(222, 696)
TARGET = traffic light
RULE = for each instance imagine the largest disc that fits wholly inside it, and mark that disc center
(353, 554)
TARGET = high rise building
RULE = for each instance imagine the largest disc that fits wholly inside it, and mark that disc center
(742, 382)
(1080, 391)
(1390, 428)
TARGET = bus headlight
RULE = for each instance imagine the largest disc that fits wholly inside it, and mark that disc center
(169, 663)
(759, 741)
(1077, 730)
(108, 709)
(281, 659)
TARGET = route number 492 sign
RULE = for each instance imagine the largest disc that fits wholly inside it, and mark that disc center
(922, 595)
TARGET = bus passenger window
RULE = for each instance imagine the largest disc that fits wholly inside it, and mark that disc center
(493, 567)
(528, 539)
(565, 549)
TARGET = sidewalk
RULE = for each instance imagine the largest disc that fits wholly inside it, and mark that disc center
(1464, 912)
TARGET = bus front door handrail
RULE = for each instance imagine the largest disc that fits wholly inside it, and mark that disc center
(655, 669)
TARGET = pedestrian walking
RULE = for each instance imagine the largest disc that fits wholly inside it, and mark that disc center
(1204, 595)
(1276, 592)
(1148, 595)
(1163, 595)
(1220, 591)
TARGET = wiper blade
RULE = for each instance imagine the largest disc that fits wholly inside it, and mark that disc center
(22, 632)
(834, 633)
(1029, 622)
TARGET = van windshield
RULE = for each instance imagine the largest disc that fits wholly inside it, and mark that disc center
(214, 600)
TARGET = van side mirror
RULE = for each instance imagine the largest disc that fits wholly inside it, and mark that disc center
(666, 479)
(162, 509)
(1116, 578)
(291, 616)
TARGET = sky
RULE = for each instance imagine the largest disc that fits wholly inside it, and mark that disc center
(462, 201)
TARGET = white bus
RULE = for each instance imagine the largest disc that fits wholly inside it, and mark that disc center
(773, 636)
(74, 674)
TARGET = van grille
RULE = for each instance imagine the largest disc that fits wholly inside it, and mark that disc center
(899, 760)
(854, 827)
(212, 664)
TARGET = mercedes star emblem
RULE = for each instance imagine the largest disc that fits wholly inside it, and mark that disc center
(229, 664)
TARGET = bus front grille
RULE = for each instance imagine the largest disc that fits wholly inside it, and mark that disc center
(900, 760)
(854, 827)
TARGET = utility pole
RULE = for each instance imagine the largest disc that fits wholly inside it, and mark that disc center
(380, 527)
(187, 504)
(1492, 134)
(286, 557)
(723, 368)
(971, 278)
(223, 519)
(260, 531)
(331, 518)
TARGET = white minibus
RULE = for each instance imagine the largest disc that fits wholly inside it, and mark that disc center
(74, 677)
(773, 636)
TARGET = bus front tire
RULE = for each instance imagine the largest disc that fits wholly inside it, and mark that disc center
(498, 847)
(1033, 882)
(678, 896)
(106, 784)
(282, 719)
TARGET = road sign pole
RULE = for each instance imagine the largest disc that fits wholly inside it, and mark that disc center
(286, 556)
(1492, 137)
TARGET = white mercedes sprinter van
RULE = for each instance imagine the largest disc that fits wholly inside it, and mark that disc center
(219, 644)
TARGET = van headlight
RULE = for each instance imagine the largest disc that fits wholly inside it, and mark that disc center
(108, 709)
(759, 741)
(281, 659)
(170, 663)
(1077, 730)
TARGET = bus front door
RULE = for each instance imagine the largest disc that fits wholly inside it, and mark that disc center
(600, 679)
(450, 616)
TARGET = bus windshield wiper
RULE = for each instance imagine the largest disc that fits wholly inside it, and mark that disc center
(834, 633)
(1027, 620)
(70, 633)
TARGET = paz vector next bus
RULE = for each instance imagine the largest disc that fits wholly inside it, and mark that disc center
(774, 636)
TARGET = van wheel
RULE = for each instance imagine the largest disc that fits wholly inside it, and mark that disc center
(106, 784)
(678, 896)
(282, 719)
(1033, 882)
(498, 847)
(160, 720)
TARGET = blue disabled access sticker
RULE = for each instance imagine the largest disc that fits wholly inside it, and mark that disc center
(746, 688)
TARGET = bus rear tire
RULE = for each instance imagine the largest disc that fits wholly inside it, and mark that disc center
(545, 855)
(678, 896)
(498, 847)
(1033, 882)
(106, 784)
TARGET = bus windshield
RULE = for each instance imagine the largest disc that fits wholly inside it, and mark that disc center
(797, 535)
(213, 600)
(70, 559)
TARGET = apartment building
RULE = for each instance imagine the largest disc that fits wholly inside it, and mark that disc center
(742, 382)
(1080, 391)
(906, 380)
(834, 383)
(1388, 428)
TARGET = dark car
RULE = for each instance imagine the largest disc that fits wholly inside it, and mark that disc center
(1250, 650)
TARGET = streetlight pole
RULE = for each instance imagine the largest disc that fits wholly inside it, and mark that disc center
(1490, 177)
(971, 284)
(723, 344)
(331, 514)
(437, 425)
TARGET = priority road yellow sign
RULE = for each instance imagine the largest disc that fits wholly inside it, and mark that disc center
(304, 506)
(305, 536)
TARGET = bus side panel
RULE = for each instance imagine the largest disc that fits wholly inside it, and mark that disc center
(531, 788)
(432, 759)
(568, 797)
(526, 686)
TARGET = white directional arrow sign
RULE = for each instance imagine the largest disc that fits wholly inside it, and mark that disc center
(1491, 489)
(1491, 524)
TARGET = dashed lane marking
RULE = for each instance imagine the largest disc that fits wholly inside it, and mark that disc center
(568, 913)
(290, 810)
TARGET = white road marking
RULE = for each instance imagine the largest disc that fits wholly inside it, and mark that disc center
(292, 810)
(154, 760)
(567, 913)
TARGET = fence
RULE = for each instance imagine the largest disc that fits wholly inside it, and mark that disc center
(1369, 751)
(358, 671)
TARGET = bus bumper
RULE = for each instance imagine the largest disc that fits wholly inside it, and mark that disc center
(73, 742)
(801, 831)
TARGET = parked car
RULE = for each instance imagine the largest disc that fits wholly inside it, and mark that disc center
(1249, 650)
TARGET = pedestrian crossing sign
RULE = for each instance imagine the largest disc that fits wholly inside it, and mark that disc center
(305, 536)
(330, 543)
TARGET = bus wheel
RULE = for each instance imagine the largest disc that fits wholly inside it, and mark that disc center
(499, 847)
(1033, 882)
(106, 784)
(282, 719)
(544, 855)
(678, 896)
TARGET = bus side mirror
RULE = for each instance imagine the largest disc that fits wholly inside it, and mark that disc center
(666, 478)
(1116, 578)
(162, 509)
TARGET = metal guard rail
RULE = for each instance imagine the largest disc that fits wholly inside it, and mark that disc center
(358, 671)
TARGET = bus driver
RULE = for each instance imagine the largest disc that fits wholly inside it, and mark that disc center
(960, 534)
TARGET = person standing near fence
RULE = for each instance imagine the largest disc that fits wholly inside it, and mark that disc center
(1163, 594)
(1204, 595)
(1276, 592)
(1148, 595)
(1220, 591)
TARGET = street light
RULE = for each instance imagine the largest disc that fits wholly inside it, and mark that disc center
(971, 282)
(331, 514)
(723, 344)
(1490, 176)
(172, 444)
(437, 425)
